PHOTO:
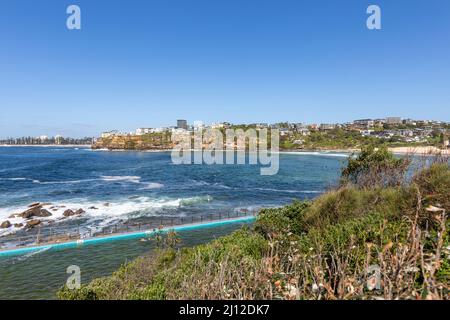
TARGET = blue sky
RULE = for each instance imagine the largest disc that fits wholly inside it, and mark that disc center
(146, 63)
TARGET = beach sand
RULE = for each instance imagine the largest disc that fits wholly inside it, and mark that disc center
(419, 150)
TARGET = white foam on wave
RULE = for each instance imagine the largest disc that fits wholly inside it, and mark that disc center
(32, 253)
(205, 183)
(64, 181)
(124, 179)
(152, 185)
(14, 179)
(134, 179)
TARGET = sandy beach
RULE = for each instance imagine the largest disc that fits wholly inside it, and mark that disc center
(419, 150)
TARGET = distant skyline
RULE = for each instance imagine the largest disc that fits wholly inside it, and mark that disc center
(148, 63)
(191, 123)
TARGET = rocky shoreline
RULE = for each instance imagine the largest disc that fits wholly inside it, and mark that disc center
(35, 215)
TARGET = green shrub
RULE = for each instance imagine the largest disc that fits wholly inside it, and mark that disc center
(375, 167)
(282, 220)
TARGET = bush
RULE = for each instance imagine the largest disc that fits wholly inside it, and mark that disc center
(287, 219)
(375, 168)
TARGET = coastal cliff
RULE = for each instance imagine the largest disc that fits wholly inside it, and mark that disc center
(132, 142)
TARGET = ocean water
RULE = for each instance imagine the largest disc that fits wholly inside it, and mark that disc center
(122, 187)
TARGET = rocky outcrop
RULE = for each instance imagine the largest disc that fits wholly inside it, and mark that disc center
(154, 141)
(45, 213)
(5, 225)
(36, 210)
(69, 212)
(34, 204)
(31, 212)
(32, 223)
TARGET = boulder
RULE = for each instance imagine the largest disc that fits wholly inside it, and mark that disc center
(93, 208)
(34, 204)
(68, 213)
(18, 225)
(44, 213)
(34, 211)
(80, 211)
(33, 223)
(5, 225)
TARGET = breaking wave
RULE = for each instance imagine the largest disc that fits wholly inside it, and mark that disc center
(103, 212)
(134, 179)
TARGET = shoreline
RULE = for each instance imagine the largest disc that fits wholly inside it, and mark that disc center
(416, 150)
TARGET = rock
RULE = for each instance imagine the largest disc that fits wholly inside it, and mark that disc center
(68, 213)
(34, 204)
(44, 213)
(5, 225)
(18, 225)
(106, 204)
(33, 223)
(93, 208)
(34, 211)
(14, 215)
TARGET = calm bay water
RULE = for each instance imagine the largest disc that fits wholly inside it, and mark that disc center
(118, 187)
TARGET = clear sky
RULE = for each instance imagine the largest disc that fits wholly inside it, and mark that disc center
(146, 63)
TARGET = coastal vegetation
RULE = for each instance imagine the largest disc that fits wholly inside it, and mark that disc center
(381, 234)
(340, 139)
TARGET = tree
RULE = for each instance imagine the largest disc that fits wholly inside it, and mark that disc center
(375, 167)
